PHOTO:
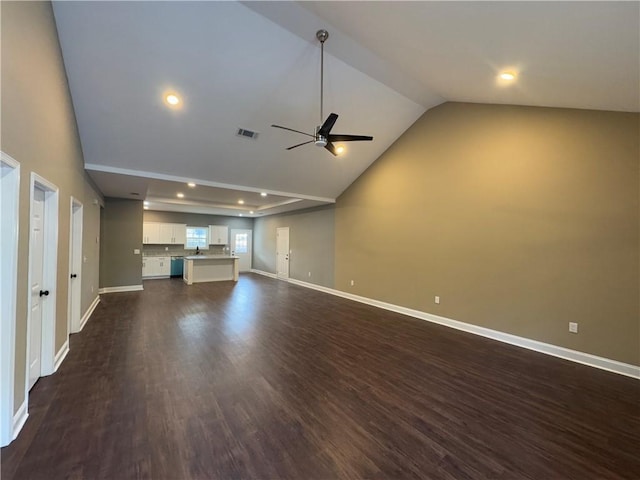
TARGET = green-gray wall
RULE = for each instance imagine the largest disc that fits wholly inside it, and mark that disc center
(39, 131)
(121, 237)
(311, 241)
(521, 219)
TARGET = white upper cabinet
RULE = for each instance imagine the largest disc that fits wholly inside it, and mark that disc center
(150, 233)
(218, 235)
(164, 233)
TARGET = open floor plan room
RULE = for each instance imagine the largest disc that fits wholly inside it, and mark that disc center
(265, 379)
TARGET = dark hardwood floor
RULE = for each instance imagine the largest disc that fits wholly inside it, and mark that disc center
(264, 379)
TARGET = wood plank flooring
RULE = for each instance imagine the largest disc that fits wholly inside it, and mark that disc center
(264, 379)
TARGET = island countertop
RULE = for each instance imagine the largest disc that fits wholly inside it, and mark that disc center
(210, 257)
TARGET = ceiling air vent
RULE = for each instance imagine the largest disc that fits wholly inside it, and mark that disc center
(243, 132)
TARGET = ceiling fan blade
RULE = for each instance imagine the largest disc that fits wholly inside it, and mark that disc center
(328, 125)
(299, 145)
(332, 148)
(348, 138)
(292, 130)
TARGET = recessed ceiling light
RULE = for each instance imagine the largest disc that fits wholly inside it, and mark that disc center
(508, 76)
(263, 194)
(239, 214)
(145, 203)
(241, 202)
(146, 207)
(180, 195)
(251, 212)
(340, 150)
(172, 99)
(191, 185)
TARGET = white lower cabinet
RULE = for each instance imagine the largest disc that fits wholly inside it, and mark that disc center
(156, 267)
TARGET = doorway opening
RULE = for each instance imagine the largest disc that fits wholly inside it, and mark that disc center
(9, 201)
(241, 248)
(42, 291)
(75, 267)
(282, 252)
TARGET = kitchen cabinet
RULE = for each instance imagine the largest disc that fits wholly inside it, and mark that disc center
(173, 233)
(164, 233)
(156, 267)
(218, 235)
(150, 232)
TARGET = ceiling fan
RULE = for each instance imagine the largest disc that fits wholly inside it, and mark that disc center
(323, 136)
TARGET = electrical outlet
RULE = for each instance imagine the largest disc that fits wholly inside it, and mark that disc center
(309, 273)
(91, 288)
(166, 249)
(353, 283)
(573, 327)
(436, 299)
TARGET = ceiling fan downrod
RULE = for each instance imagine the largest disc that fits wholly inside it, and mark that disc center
(322, 36)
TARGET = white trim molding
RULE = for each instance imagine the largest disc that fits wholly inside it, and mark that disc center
(588, 359)
(20, 418)
(266, 274)
(124, 288)
(61, 355)
(89, 312)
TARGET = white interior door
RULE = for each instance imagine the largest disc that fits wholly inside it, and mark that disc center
(241, 248)
(282, 252)
(75, 266)
(37, 290)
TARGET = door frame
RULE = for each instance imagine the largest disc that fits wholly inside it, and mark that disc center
(9, 231)
(278, 229)
(49, 276)
(76, 212)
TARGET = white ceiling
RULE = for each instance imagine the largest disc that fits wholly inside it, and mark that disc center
(252, 64)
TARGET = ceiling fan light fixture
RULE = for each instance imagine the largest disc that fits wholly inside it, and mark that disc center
(508, 76)
(340, 150)
(172, 99)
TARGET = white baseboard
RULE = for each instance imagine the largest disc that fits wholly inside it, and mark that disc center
(60, 356)
(266, 274)
(549, 349)
(124, 288)
(20, 418)
(89, 312)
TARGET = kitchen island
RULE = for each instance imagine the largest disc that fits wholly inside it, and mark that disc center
(210, 268)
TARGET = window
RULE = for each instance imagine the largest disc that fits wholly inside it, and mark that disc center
(241, 243)
(197, 237)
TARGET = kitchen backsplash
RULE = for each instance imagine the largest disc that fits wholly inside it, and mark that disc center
(179, 251)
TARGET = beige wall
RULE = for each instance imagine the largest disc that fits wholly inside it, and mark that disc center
(311, 241)
(39, 131)
(121, 237)
(521, 219)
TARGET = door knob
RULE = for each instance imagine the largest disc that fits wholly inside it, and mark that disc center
(73, 275)
(44, 293)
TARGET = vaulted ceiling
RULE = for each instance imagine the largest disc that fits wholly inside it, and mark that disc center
(250, 64)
